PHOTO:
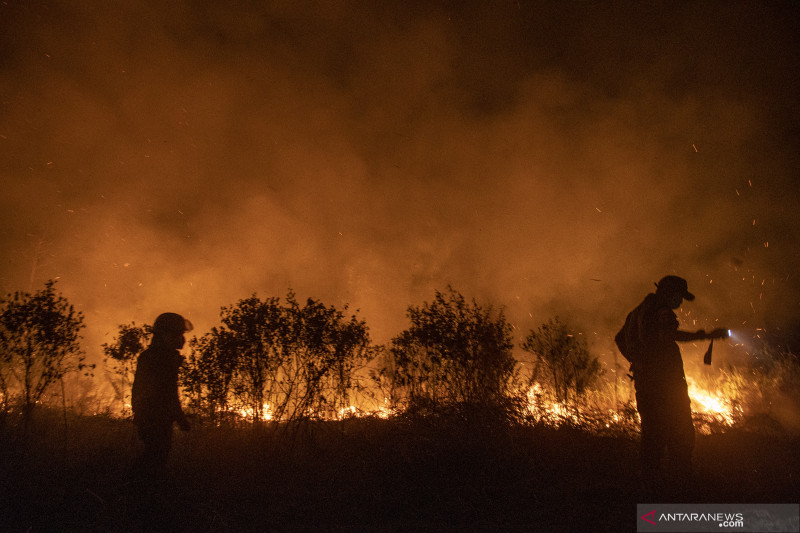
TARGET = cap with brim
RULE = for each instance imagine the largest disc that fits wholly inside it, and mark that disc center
(675, 285)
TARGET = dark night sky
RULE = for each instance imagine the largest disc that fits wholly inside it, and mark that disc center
(183, 155)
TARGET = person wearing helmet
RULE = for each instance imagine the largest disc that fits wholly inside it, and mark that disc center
(649, 340)
(154, 395)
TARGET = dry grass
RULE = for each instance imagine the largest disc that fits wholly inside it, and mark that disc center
(363, 475)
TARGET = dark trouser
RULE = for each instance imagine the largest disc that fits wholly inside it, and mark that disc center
(666, 424)
(157, 438)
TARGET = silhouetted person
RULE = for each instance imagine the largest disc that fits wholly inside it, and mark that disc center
(649, 340)
(154, 396)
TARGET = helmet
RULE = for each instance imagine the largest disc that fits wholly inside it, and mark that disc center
(171, 323)
(674, 285)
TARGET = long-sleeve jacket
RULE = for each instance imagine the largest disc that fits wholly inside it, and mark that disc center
(657, 363)
(154, 396)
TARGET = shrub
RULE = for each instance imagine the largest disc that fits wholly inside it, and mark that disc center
(39, 344)
(562, 361)
(454, 353)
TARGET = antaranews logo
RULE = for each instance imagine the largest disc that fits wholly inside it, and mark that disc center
(717, 517)
(650, 517)
(722, 519)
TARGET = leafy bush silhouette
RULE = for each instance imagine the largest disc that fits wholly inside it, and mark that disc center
(454, 354)
(563, 362)
(39, 344)
(207, 374)
(297, 360)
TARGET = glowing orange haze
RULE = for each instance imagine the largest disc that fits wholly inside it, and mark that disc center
(550, 160)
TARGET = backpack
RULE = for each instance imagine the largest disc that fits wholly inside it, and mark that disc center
(626, 339)
(629, 339)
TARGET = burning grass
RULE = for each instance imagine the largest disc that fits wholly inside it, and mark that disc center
(721, 401)
(600, 412)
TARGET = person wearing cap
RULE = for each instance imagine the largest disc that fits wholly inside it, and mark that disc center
(154, 394)
(649, 340)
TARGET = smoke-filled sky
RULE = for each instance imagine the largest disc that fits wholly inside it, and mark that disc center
(554, 158)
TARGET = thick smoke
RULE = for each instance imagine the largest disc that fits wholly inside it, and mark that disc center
(552, 159)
